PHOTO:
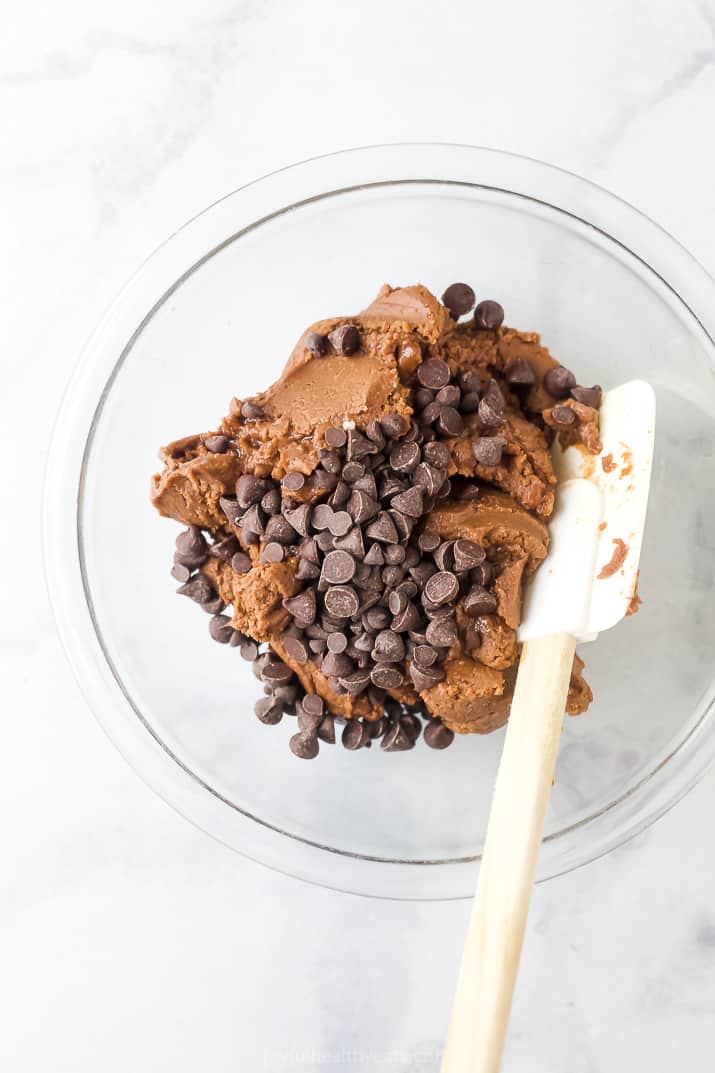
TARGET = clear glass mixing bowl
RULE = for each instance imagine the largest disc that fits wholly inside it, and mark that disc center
(214, 313)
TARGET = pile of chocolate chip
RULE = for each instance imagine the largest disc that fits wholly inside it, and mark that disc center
(377, 609)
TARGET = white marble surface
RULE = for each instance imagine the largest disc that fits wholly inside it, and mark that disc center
(131, 942)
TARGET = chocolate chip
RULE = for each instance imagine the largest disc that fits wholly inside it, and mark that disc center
(392, 576)
(258, 666)
(251, 411)
(436, 454)
(322, 515)
(389, 648)
(425, 677)
(316, 343)
(397, 602)
(394, 425)
(337, 642)
(299, 518)
(467, 555)
(306, 722)
(488, 315)
(442, 632)
(409, 619)
(459, 299)
(428, 542)
(341, 601)
(411, 725)
(302, 607)
(331, 461)
(221, 629)
(563, 415)
(308, 549)
(397, 740)
(338, 567)
(390, 485)
(395, 554)
(479, 601)
(280, 530)
(437, 735)
(374, 432)
(409, 502)
(191, 547)
(293, 481)
(449, 421)
(377, 727)
(356, 683)
(470, 402)
(441, 588)
(340, 496)
(482, 575)
(322, 481)
(589, 396)
(247, 647)
(217, 445)
(387, 676)
(444, 555)
(382, 529)
(430, 413)
(271, 502)
(433, 374)
(469, 381)
(345, 339)
(449, 395)
(559, 382)
(317, 647)
(253, 521)
(335, 437)
(366, 484)
(250, 490)
(487, 450)
(358, 446)
(404, 457)
(273, 553)
(180, 573)
(304, 745)
(422, 397)
(296, 648)
(326, 730)
(425, 655)
(377, 618)
(361, 507)
(276, 672)
(355, 734)
(519, 372)
(375, 556)
(403, 523)
(340, 523)
(199, 589)
(213, 605)
(313, 704)
(423, 572)
(269, 710)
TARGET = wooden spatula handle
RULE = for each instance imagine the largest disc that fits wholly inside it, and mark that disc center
(496, 929)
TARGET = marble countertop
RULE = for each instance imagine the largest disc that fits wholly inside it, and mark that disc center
(131, 942)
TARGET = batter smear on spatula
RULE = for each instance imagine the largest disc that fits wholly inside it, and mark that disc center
(362, 530)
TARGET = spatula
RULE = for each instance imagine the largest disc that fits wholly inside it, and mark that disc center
(587, 583)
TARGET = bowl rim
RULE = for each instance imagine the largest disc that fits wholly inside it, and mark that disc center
(82, 406)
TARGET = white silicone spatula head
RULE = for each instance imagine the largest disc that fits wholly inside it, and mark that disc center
(588, 580)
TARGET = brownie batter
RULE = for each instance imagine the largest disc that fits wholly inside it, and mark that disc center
(370, 519)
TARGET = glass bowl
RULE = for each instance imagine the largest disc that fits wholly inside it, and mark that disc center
(214, 313)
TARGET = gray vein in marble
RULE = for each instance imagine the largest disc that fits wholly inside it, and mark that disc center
(692, 66)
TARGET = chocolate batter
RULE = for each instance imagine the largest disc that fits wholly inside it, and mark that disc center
(371, 518)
